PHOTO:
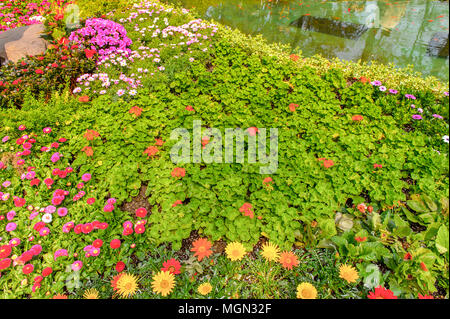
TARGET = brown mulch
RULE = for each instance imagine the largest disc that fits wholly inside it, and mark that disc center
(137, 202)
(184, 253)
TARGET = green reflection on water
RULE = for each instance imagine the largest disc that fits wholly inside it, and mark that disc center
(387, 31)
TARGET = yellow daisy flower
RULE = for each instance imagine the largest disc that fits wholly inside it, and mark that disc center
(204, 288)
(91, 294)
(235, 251)
(306, 291)
(270, 252)
(349, 273)
(127, 285)
(163, 283)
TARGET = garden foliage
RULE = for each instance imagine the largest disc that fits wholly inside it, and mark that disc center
(362, 169)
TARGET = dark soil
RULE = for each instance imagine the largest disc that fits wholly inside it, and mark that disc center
(184, 253)
(137, 202)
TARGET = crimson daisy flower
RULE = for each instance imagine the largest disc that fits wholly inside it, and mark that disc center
(172, 265)
(5, 251)
(381, 293)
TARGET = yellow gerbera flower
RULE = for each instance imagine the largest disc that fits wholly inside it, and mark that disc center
(235, 251)
(205, 288)
(91, 294)
(163, 283)
(127, 285)
(270, 252)
(306, 291)
(349, 273)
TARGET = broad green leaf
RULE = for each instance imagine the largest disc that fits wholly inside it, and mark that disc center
(442, 239)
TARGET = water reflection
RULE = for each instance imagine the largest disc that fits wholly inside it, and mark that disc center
(402, 32)
(342, 29)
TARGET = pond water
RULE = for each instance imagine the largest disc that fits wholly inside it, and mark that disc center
(402, 32)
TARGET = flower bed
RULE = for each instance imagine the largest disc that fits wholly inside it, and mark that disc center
(17, 13)
(89, 190)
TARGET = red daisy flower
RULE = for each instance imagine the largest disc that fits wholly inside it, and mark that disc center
(381, 293)
(172, 265)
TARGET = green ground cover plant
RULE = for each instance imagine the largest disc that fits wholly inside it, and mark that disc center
(362, 177)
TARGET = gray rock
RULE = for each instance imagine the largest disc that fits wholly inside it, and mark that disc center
(22, 41)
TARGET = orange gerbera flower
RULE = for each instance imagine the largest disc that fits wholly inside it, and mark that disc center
(59, 296)
(381, 293)
(288, 260)
(202, 248)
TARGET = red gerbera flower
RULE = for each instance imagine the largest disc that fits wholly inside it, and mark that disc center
(141, 212)
(28, 269)
(115, 243)
(172, 265)
(5, 263)
(381, 293)
(97, 243)
(87, 228)
(120, 266)
(35, 182)
(47, 271)
(26, 256)
(90, 53)
(19, 202)
(5, 251)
